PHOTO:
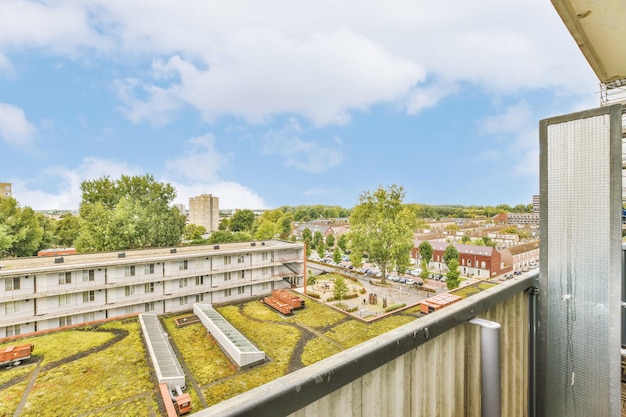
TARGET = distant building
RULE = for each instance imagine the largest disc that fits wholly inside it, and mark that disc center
(204, 211)
(536, 201)
(5, 189)
(181, 208)
(523, 256)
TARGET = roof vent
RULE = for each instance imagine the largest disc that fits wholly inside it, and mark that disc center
(121, 255)
(173, 250)
(253, 244)
(58, 260)
(216, 247)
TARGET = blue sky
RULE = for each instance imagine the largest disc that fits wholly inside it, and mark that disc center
(274, 103)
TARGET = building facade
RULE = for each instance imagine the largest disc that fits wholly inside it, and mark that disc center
(483, 262)
(204, 210)
(6, 189)
(51, 292)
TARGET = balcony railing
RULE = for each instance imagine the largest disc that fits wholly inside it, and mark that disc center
(428, 367)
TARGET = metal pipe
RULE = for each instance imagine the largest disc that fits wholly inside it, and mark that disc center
(490, 399)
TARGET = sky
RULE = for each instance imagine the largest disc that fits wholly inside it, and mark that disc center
(274, 103)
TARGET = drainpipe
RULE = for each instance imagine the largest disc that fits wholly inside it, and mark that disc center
(490, 400)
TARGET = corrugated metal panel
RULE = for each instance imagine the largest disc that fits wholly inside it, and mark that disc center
(440, 377)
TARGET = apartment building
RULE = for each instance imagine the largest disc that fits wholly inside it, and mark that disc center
(204, 210)
(5, 189)
(50, 292)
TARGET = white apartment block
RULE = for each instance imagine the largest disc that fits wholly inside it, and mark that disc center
(42, 293)
(204, 211)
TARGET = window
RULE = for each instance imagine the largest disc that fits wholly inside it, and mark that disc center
(129, 290)
(65, 299)
(182, 282)
(89, 296)
(149, 287)
(148, 269)
(200, 280)
(149, 306)
(263, 256)
(13, 330)
(242, 274)
(65, 278)
(65, 321)
(227, 260)
(129, 309)
(469, 262)
(227, 276)
(265, 285)
(265, 271)
(483, 265)
(129, 270)
(12, 307)
(183, 300)
(240, 259)
(240, 290)
(199, 297)
(88, 275)
(11, 284)
(227, 292)
(87, 317)
(183, 265)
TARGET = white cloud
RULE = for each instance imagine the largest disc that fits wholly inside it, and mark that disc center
(231, 194)
(200, 161)
(308, 156)
(67, 195)
(512, 120)
(15, 129)
(429, 96)
(157, 109)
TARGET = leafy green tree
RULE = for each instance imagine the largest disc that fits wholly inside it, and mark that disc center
(343, 243)
(226, 236)
(66, 230)
(321, 249)
(318, 238)
(21, 230)
(307, 244)
(452, 280)
(311, 279)
(266, 230)
(336, 256)
(194, 232)
(382, 228)
(426, 251)
(488, 241)
(242, 221)
(330, 240)
(466, 239)
(478, 242)
(451, 253)
(224, 224)
(307, 234)
(129, 213)
(284, 226)
(425, 272)
(340, 288)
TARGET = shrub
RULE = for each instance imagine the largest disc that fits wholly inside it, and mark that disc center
(362, 291)
(394, 307)
(313, 295)
(352, 309)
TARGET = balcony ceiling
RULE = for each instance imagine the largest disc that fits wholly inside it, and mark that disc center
(599, 28)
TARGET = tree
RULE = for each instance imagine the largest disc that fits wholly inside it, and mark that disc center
(382, 228)
(129, 213)
(478, 242)
(266, 230)
(22, 233)
(343, 243)
(451, 253)
(318, 238)
(452, 280)
(66, 230)
(321, 250)
(242, 221)
(307, 234)
(426, 251)
(307, 244)
(330, 240)
(336, 256)
(194, 232)
(466, 239)
(284, 226)
(340, 288)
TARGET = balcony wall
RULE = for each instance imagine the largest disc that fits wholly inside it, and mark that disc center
(430, 367)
